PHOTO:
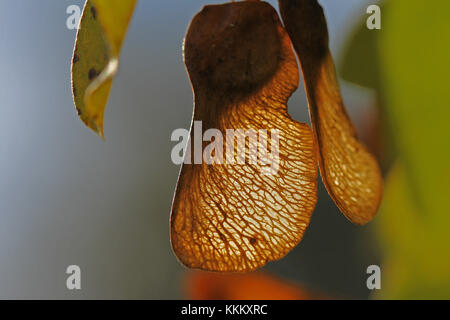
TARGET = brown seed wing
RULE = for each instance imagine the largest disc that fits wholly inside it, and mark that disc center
(232, 217)
(349, 172)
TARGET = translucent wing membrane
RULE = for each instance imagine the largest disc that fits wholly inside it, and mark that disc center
(234, 216)
(349, 172)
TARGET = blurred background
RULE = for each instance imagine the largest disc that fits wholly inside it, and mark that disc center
(67, 197)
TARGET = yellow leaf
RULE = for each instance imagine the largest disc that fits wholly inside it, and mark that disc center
(96, 57)
(416, 258)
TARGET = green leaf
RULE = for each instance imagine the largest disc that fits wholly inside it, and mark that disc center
(415, 66)
(416, 257)
(360, 64)
(408, 63)
(96, 57)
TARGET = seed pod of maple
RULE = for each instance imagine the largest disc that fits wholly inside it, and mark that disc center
(230, 216)
(349, 172)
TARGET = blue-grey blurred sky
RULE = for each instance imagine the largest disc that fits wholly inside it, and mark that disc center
(67, 197)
